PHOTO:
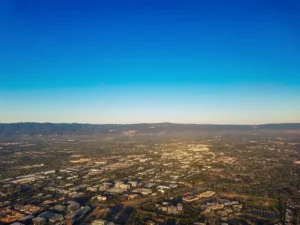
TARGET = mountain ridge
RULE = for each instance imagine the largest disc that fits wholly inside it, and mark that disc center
(35, 128)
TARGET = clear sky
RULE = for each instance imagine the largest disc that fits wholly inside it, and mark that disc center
(117, 61)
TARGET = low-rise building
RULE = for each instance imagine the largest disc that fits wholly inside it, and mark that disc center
(39, 221)
(72, 206)
(207, 194)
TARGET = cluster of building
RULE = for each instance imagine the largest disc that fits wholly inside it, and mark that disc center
(65, 213)
(8, 215)
(222, 208)
(170, 208)
(163, 171)
(291, 213)
(190, 197)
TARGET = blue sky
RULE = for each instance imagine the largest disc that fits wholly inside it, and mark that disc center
(115, 61)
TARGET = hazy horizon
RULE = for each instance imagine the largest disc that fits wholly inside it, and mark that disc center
(221, 124)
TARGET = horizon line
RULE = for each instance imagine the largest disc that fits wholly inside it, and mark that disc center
(219, 124)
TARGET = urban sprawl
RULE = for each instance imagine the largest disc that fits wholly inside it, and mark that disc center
(131, 179)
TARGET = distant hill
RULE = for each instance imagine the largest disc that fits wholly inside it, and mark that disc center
(15, 129)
